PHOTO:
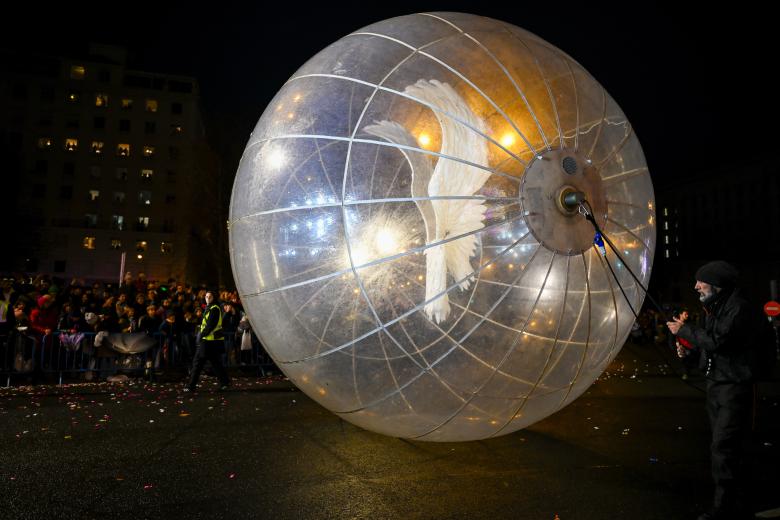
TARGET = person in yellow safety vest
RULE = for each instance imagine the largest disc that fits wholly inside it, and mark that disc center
(210, 346)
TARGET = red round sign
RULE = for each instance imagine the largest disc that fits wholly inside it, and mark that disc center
(772, 308)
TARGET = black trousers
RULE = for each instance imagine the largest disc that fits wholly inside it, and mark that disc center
(209, 351)
(729, 406)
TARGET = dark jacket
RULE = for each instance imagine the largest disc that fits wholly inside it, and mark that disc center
(726, 341)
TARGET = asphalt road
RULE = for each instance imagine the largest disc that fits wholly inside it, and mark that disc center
(634, 446)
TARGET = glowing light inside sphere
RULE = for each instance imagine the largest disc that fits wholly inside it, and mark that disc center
(398, 235)
(507, 140)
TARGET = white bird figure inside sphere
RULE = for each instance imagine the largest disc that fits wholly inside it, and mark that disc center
(462, 140)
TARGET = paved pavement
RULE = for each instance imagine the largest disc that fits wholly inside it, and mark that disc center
(634, 446)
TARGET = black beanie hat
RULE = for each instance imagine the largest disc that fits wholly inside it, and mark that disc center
(718, 273)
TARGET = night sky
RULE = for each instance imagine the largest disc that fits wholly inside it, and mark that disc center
(692, 80)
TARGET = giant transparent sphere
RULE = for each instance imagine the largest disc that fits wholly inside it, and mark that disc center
(399, 236)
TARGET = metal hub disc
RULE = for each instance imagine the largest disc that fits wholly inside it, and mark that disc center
(548, 179)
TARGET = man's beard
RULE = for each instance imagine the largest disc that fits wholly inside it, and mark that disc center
(709, 297)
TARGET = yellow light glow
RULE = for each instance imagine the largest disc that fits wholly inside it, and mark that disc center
(420, 277)
(297, 98)
(140, 257)
(424, 139)
(290, 115)
(507, 140)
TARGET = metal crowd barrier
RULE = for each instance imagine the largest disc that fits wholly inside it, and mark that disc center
(76, 356)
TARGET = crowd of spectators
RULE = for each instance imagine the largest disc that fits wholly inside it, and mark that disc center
(173, 310)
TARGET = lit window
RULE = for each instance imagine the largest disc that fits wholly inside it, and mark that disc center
(121, 174)
(94, 172)
(666, 253)
(147, 174)
(151, 105)
(116, 243)
(97, 147)
(71, 145)
(90, 220)
(148, 151)
(77, 71)
(666, 239)
(127, 103)
(166, 248)
(140, 246)
(94, 195)
(44, 143)
(123, 150)
(145, 197)
(89, 242)
(73, 96)
(666, 225)
(117, 222)
(175, 129)
(666, 212)
(101, 100)
(142, 224)
(119, 196)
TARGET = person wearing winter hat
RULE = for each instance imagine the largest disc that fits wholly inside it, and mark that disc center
(724, 344)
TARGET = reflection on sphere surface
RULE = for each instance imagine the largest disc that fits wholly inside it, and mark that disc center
(395, 237)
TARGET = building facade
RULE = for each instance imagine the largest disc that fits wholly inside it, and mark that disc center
(729, 213)
(103, 160)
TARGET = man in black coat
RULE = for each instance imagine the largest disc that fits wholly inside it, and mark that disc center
(726, 348)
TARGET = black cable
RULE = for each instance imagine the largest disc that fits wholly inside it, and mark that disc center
(589, 216)
(625, 296)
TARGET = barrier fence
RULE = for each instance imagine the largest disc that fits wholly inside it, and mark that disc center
(75, 356)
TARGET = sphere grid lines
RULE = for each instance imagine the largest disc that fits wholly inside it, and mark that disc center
(437, 314)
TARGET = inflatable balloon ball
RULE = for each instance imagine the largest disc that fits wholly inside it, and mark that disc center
(401, 238)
